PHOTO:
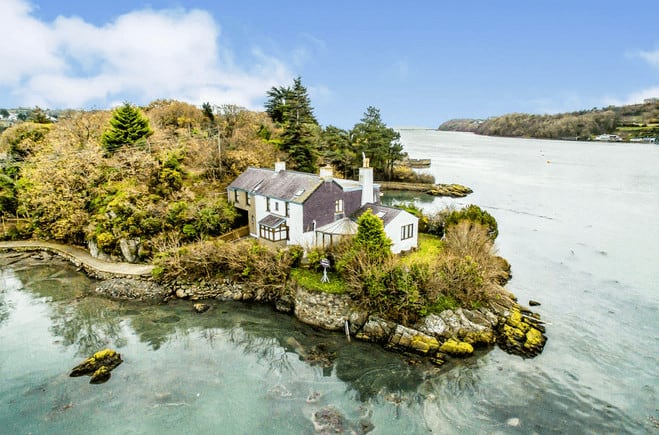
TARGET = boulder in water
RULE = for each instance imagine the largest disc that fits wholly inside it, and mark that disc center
(98, 366)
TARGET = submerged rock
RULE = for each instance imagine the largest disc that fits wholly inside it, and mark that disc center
(329, 420)
(98, 366)
(201, 308)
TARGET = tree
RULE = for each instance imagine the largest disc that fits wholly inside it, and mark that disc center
(371, 237)
(291, 109)
(379, 142)
(4, 113)
(128, 126)
(39, 116)
(207, 109)
(337, 150)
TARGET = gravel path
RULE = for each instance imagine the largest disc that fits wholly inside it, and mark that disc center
(79, 257)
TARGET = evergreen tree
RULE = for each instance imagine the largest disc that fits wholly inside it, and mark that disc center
(337, 150)
(371, 236)
(39, 116)
(379, 142)
(128, 126)
(291, 109)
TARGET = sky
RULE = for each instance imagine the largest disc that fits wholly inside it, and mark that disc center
(419, 62)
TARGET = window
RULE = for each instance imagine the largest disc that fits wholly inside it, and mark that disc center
(338, 206)
(267, 204)
(276, 205)
(406, 231)
(248, 198)
(288, 210)
(274, 234)
(236, 197)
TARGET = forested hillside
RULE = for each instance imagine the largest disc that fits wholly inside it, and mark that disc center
(629, 122)
(156, 176)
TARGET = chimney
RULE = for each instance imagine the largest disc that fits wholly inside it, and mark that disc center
(326, 173)
(280, 166)
(366, 180)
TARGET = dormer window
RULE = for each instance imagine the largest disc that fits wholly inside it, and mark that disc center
(338, 206)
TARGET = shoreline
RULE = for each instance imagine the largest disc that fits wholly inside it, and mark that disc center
(451, 333)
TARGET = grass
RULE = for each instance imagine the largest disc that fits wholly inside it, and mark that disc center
(430, 247)
(310, 279)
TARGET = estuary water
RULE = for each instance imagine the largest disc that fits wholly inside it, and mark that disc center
(577, 221)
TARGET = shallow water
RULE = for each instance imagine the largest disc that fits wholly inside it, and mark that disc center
(579, 232)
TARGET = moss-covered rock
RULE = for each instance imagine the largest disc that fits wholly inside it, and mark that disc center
(100, 376)
(98, 366)
(456, 348)
(521, 333)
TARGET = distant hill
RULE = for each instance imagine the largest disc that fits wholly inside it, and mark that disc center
(632, 122)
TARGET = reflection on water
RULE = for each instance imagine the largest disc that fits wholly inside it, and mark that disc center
(174, 357)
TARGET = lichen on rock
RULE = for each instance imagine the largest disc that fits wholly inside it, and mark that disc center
(98, 366)
(456, 348)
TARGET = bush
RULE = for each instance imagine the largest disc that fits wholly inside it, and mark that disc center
(474, 214)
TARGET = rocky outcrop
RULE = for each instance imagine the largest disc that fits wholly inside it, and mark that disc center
(98, 366)
(450, 333)
(452, 190)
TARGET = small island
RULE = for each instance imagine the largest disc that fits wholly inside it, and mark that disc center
(226, 203)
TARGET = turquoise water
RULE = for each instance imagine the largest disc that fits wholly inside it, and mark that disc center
(577, 223)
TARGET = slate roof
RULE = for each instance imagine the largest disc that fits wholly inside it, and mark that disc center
(285, 185)
(387, 214)
(272, 221)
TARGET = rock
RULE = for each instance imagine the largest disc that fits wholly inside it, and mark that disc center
(433, 325)
(105, 359)
(329, 420)
(521, 333)
(97, 252)
(100, 376)
(512, 422)
(129, 249)
(456, 348)
(376, 330)
(201, 308)
(533, 303)
(451, 190)
(285, 304)
(411, 339)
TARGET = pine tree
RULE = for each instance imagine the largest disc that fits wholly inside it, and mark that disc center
(291, 109)
(379, 142)
(128, 126)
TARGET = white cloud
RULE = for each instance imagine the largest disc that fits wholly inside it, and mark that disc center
(139, 56)
(634, 98)
(651, 57)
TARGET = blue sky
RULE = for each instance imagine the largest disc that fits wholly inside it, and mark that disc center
(419, 62)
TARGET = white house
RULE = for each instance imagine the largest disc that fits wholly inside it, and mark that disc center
(295, 208)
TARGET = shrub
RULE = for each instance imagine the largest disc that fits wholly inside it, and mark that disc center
(474, 214)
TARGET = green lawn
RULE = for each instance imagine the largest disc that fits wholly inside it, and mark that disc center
(310, 279)
(430, 247)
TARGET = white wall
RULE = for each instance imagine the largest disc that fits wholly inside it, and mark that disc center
(393, 230)
(294, 221)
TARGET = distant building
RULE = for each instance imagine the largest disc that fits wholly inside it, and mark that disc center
(608, 138)
(295, 208)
